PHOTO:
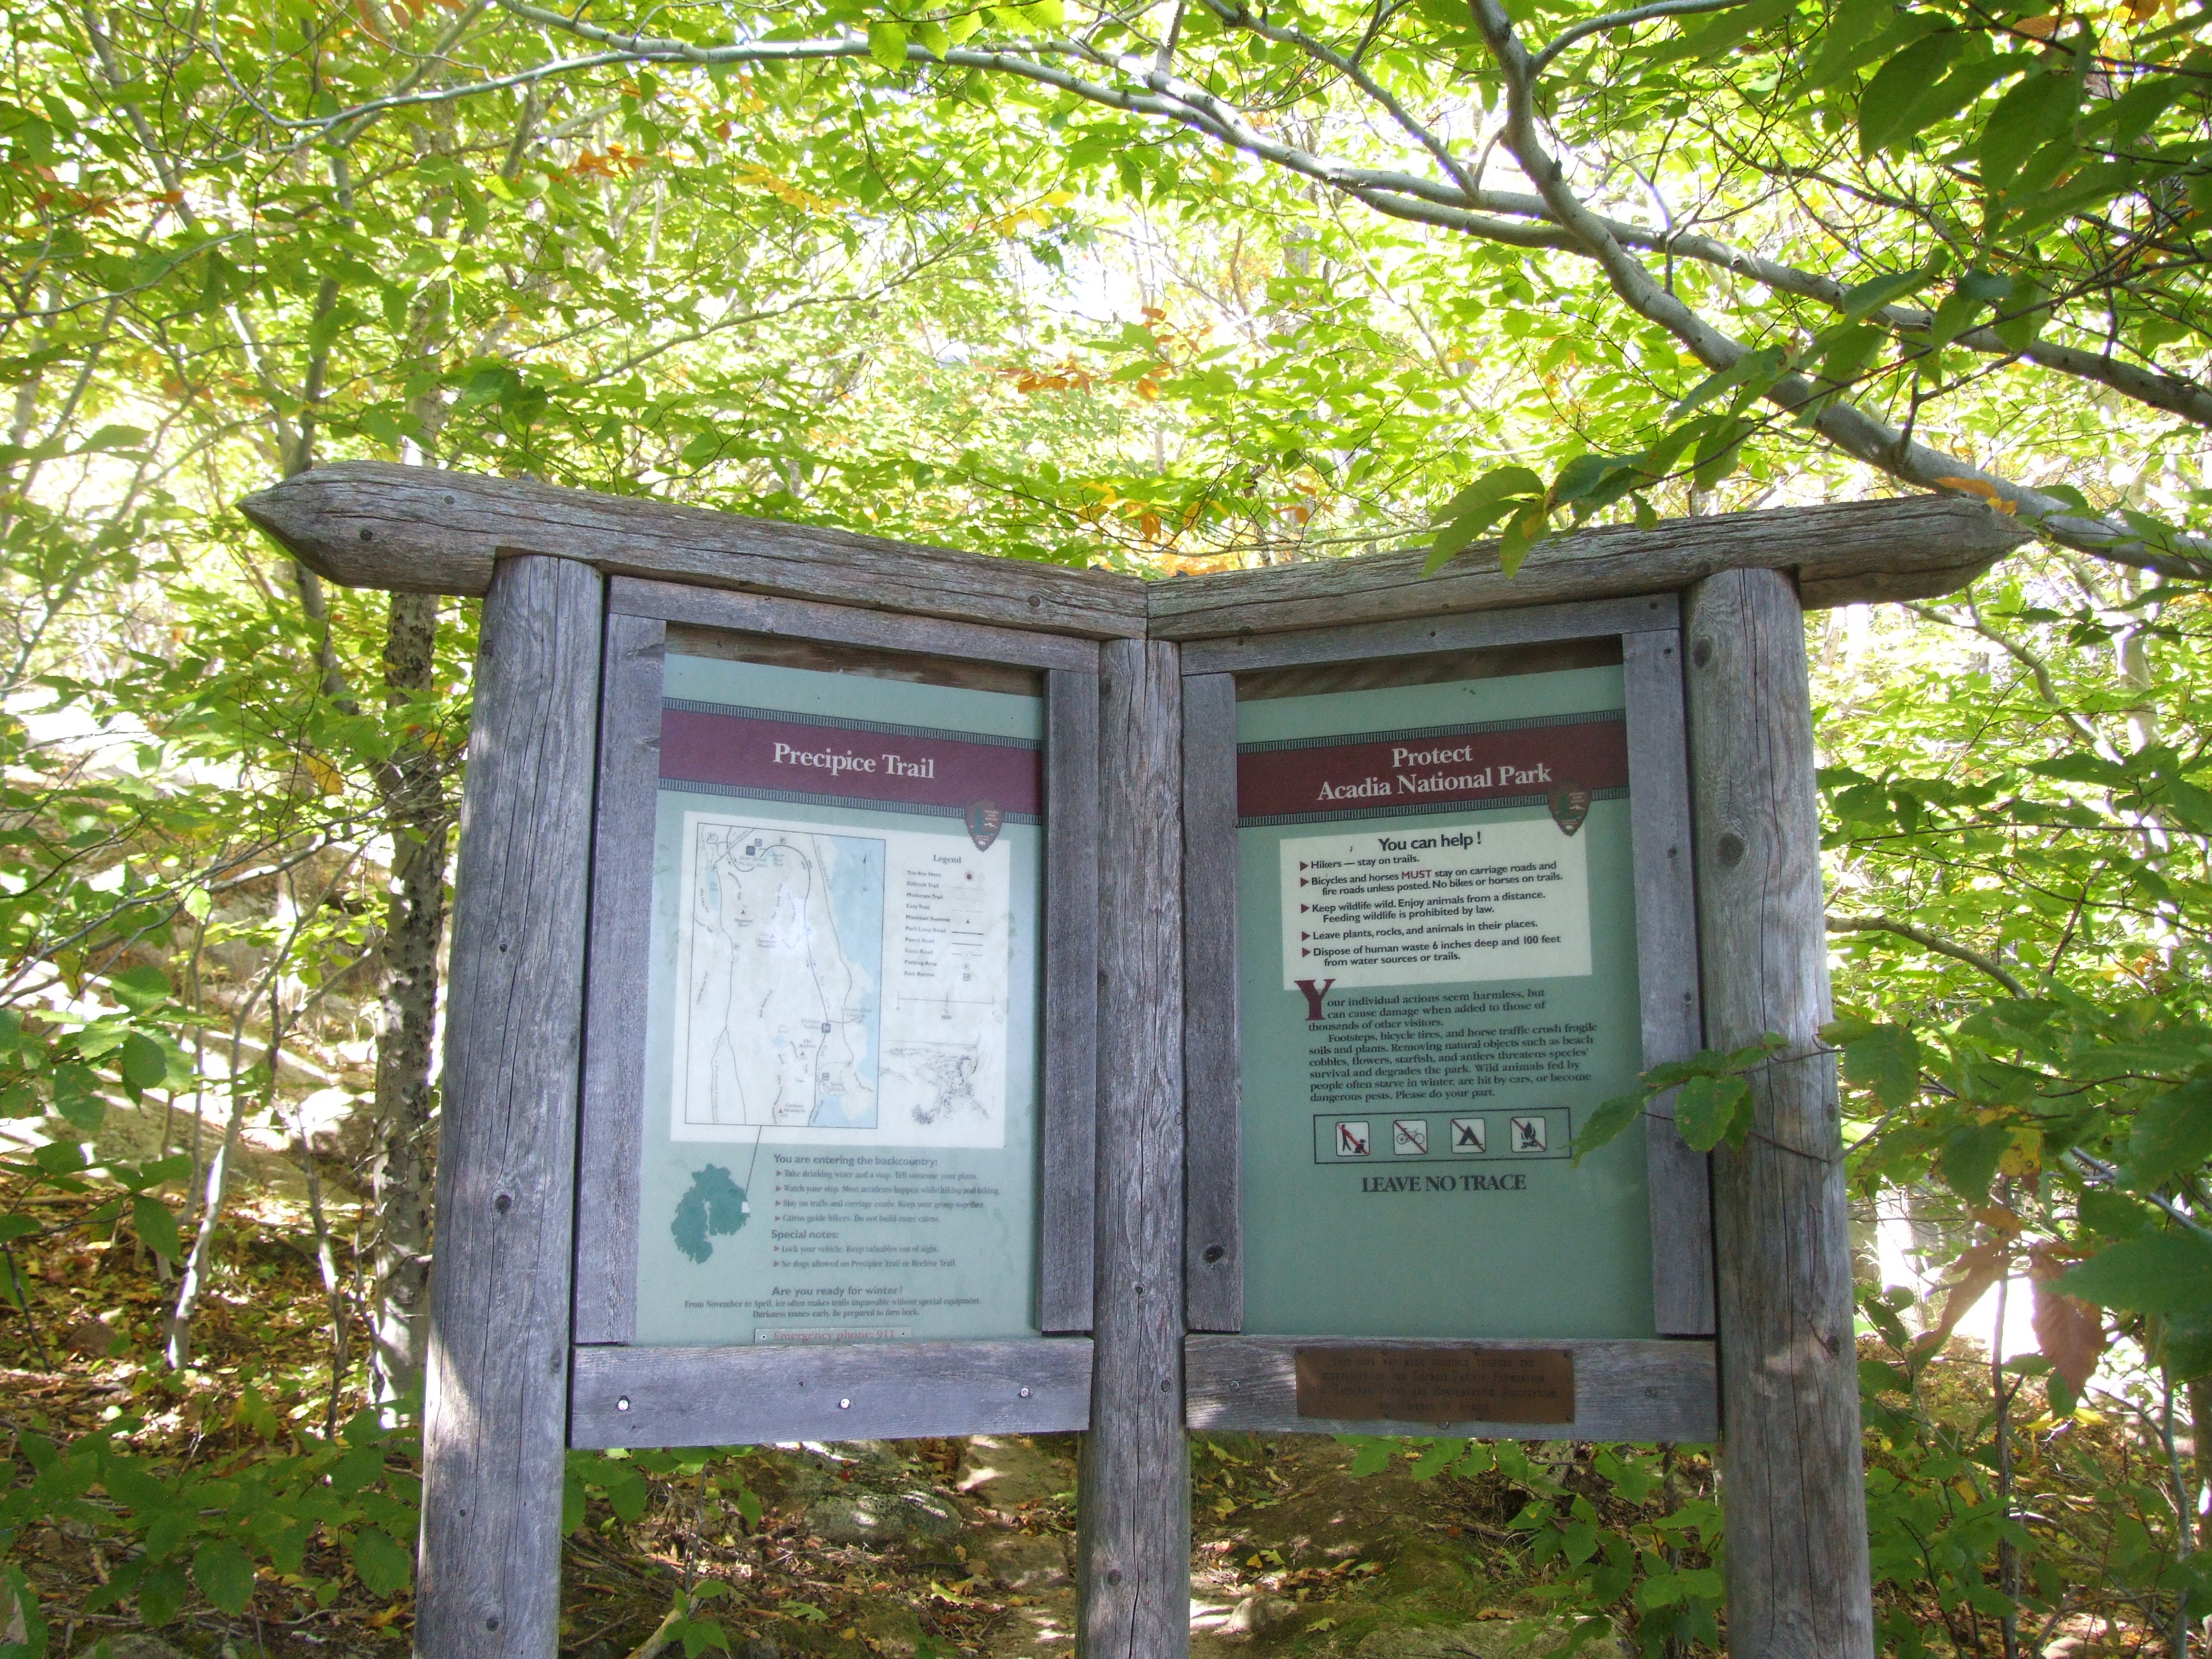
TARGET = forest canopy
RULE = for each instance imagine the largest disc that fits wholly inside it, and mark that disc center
(1170, 288)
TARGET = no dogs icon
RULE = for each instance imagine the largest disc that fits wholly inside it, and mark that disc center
(1352, 1141)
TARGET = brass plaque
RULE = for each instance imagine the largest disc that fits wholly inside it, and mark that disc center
(1436, 1385)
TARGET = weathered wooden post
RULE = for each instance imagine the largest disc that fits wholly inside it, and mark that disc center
(496, 1412)
(1133, 1546)
(1794, 1487)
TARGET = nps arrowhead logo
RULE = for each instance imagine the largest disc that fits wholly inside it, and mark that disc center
(1570, 805)
(984, 820)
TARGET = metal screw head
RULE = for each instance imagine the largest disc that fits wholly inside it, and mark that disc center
(1025, 1394)
(844, 1405)
(622, 1404)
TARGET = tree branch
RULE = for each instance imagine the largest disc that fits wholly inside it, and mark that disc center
(1933, 941)
(1851, 429)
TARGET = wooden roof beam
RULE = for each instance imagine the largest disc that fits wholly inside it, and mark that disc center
(415, 529)
(372, 524)
(1843, 553)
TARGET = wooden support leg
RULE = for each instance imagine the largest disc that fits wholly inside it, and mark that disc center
(496, 1413)
(1793, 1489)
(1133, 1543)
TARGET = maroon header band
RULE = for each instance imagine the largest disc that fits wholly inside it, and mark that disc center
(1334, 777)
(905, 766)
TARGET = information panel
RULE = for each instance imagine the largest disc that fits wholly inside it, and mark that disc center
(841, 1101)
(1438, 984)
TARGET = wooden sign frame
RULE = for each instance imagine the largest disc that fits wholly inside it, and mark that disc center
(1625, 1390)
(623, 1394)
(527, 1352)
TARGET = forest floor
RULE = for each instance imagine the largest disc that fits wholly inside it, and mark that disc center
(927, 1547)
(910, 1550)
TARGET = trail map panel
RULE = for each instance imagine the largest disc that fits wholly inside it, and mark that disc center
(843, 1024)
(1438, 985)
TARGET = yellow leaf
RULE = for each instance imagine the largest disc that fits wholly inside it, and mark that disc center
(327, 777)
(2040, 28)
(1983, 488)
(2025, 1156)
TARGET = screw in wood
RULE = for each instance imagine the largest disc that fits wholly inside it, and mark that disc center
(622, 1404)
(1025, 1394)
(844, 1405)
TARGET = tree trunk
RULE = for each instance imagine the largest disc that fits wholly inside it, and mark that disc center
(401, 1162)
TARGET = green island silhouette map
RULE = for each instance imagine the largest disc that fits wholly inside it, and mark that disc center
(714, 1206)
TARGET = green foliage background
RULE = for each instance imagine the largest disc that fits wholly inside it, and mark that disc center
(1168, 287)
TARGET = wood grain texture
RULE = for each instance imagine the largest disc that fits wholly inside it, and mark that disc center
(369, 523)
(1067, 1196)
(781, 651)
(845, 1391)
(1427, 635)
(611, 1133)
(496, 1410)
(1666, 973)
(1913, 548)
(1793, 1489)
(1624, 1390)
(1132, 1542)
(846, 624)
(1214, 1234)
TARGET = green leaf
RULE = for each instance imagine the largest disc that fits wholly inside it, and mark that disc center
(1862, 301)
(2185, 1345)
(887, 43)
(2112, 1215)
(2026, 312)
(224, 1574)
(1481, 504)
(384, 1567)
(113, 438)
(156, 1226)
(140, 989)
(1885, 1060)
(142, 1063)
(74, 1103)
(1707, 1110)
(1857, 32)
(1754, 372)
(1607, 1123)
(1371, 1453)
(162, 1594)
(1522, 532)
(627, 1496)
(1974, 293)
(2025, 119)
(1968, 1162)
(1848, 350)
(2161, 1272)
(934, 40)
(2173, 1134)
(1889, 107)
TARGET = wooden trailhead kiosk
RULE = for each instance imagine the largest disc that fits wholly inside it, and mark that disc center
(896, 992)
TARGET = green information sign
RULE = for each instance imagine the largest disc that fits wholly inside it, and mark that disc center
(1438, 984)
(840, 1118)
